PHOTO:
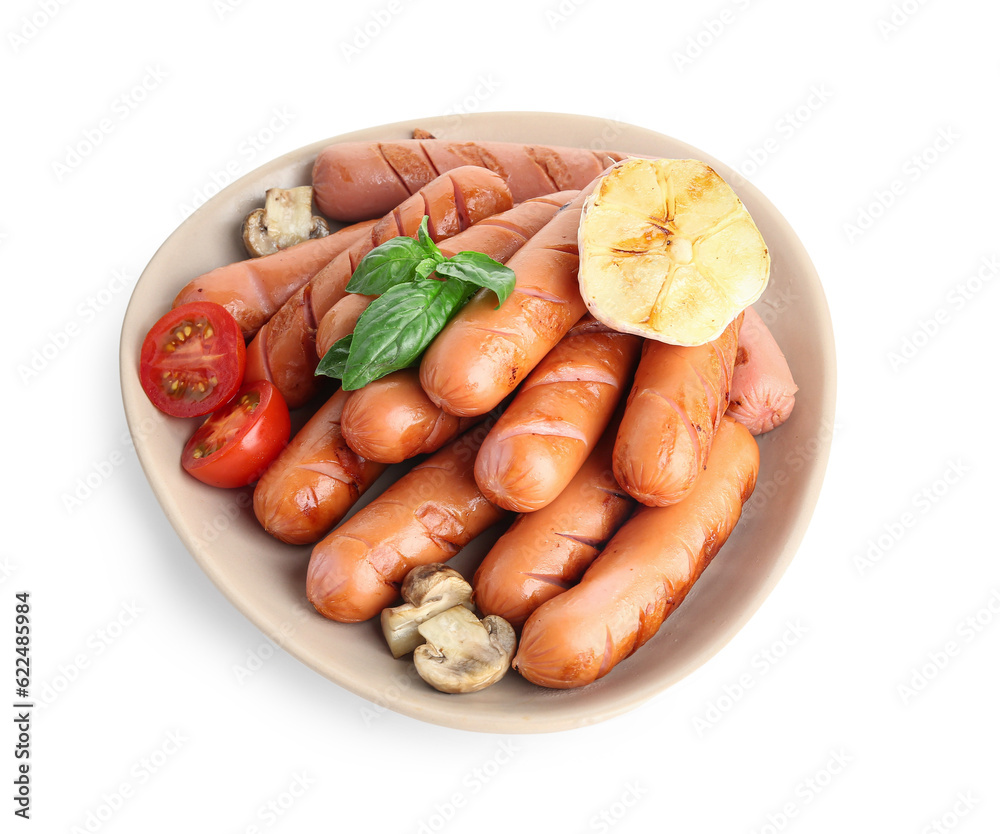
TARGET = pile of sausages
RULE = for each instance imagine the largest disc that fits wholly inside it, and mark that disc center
(620, 465)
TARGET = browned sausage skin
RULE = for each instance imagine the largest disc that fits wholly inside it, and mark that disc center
(428, 515)
(547, 551)
(315, 480)
(556, 417)
(644, 573)
(392, 419)
(677, 400)
(352, 180)
(340, 320)
(253, 290)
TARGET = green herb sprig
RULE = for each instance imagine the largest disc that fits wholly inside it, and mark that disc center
(410, 307)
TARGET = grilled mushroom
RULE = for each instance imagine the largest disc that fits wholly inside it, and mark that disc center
(428, 590)
(462, 652)
(285, 220)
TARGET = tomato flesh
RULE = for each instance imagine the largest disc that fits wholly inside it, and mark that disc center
(192, 359)
(227, 424)
(237, 442)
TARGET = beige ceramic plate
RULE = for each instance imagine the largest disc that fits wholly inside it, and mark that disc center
(265, 579)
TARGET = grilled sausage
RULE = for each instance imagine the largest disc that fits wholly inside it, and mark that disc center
(644, 573)
(557, 415)
(315, 480)
(428, 515)
(352, 180)
(763, 393)
(547, 551)
(677, 401)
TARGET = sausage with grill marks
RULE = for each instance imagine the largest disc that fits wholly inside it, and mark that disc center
(547, 551)
(678, 399)
(427, 516)
(315, 480)
(644, 573)
(352, 180)
(253, 290)
(556, 417)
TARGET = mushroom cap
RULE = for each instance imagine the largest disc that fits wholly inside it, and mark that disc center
(462, 652)
(255, 237)
(426, 582)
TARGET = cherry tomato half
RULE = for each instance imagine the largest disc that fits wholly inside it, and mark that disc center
(234, 446)
(192, 359)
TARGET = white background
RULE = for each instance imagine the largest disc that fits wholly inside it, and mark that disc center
(860, 697)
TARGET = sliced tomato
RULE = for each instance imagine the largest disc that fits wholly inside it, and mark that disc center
(234, 446)
(193, 359)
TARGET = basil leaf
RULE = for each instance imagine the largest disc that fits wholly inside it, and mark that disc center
(394, 262)
(425, 240)
(398, 326)
(480, 270)
(397, 261)
(335, 359)
(426, 267)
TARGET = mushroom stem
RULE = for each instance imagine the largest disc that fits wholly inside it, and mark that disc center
(428, 590)
(285, 220)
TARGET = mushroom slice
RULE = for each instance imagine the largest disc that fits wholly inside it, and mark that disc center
(428, 590)
(285, 220)
(462, 652)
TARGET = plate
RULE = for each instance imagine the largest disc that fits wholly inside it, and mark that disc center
(265, 579)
